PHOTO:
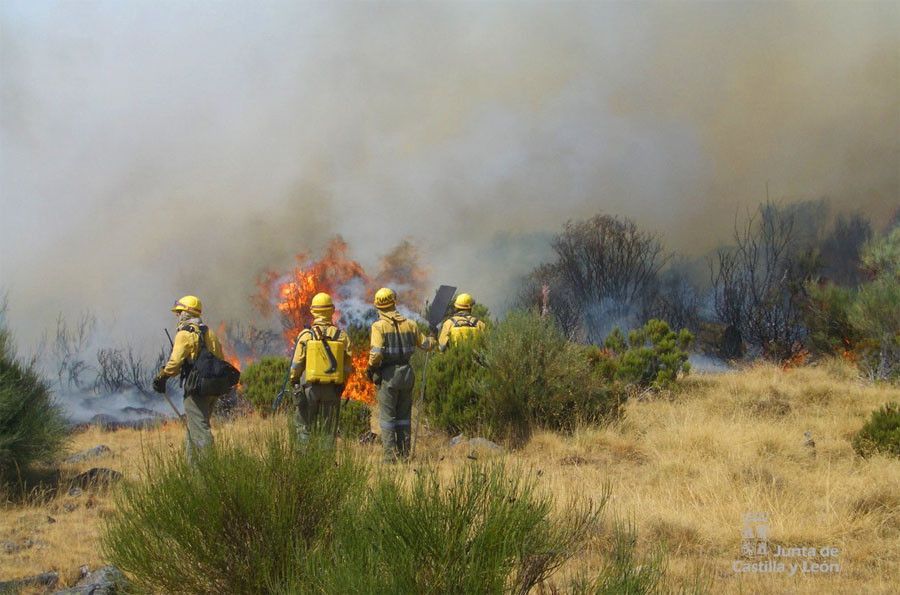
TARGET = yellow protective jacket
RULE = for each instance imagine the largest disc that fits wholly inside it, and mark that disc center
(186, 346)
(323, 325)
(461, 318)
(394, 340)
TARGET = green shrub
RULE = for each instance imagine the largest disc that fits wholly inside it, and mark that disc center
(261, 381)
(243, 520)
(827, 317)
(451, 399)
(266, 518)
(875, 312)
(881, 434)
(535, 378)
(653, 356)
(624, 571)
(484, 530)
(33, 428)
(354, 419)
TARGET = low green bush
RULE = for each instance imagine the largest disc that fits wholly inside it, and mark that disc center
(33, 428)
(535, 378)
(881, 433)
(484, 530)
(451, 398)
(261, 381)
(243, 520)
(354, 419)
(266, 518)
(652, 356)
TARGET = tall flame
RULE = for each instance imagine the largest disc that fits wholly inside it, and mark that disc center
(289, 295)
(292, 293)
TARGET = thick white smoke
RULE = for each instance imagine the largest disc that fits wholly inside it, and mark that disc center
(153, 149)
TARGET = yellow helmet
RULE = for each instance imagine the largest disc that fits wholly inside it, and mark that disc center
(190, 304)
(385, 298)
(321, 301)
(464, 301)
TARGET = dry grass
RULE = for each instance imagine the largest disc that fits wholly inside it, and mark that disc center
(684, 468)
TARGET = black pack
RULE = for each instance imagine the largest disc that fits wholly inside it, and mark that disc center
(208, 375)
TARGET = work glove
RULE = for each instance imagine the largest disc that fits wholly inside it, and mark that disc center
(159, 384)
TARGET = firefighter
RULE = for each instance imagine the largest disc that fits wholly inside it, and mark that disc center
(394, 339)
(462, 325)
(318, 388)
(185, 349)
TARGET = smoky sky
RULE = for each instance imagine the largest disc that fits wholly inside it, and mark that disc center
(153, 149)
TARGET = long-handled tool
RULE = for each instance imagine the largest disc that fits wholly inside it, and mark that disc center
(287, 374)
(178, 414)
(434, 314)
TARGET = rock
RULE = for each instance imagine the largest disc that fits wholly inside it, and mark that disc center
(75, 492)
(809, 443)
(50, 520)
(485, 444)
(45, 579)
(142, 411)
(368, 438)
(107, 580)
(10, 547)
(108, 423)
(69, 506)
(91, 453)
(96, 477)
(573, 460)
(457, 440)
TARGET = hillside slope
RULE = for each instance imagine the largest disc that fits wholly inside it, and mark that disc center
(686, 468)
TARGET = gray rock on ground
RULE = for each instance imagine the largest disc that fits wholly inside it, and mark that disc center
(45, 579)
(96, 477)
(91, 453)
(107, 580)
(485, 444)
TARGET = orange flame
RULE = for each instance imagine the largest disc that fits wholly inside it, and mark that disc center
(292, 293)
(344, 279)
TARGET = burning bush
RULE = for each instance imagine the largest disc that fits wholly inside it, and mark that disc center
(32, 427)
(881, 433)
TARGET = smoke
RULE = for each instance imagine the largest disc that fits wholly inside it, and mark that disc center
(155, 149)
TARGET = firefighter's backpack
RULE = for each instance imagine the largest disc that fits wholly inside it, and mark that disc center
(465, 328)
(208, 375)
(325, 358)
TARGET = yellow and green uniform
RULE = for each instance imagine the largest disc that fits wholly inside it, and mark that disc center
(197, 409)
(462, 319)
(394, 339)
(317, 405)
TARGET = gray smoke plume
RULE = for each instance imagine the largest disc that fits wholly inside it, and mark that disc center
(155, 149)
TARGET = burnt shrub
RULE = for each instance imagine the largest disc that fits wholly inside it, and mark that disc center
(881, 433)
